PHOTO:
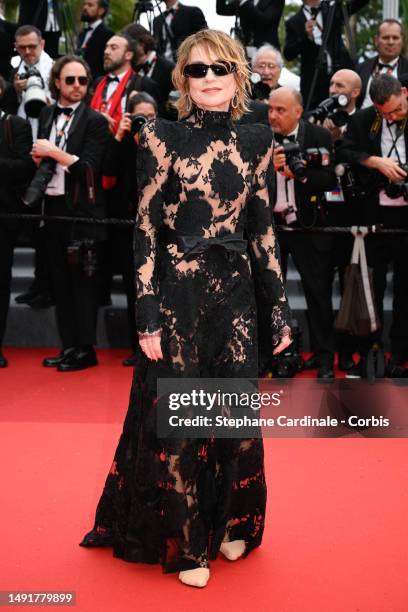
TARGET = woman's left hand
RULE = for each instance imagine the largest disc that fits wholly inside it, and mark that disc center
(283, 344)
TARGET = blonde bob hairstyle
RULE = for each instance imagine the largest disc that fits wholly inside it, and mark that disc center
(224, 48)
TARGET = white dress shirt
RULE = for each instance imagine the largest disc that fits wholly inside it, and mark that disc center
(91, 29)
(285, 188)
(168, 52)
(388, 135)
(112, 87)
(56, 186)
(318, 32)
(394, 64)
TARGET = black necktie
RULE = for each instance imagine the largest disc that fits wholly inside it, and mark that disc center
(66, 110)
(280, 138)
(169, 12)
(112, 79)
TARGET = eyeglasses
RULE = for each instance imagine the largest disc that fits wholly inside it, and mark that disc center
(199, 71)
(265, 66)
(70, 80)
(27, 47)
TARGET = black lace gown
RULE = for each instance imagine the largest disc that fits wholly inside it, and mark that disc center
(202, 180)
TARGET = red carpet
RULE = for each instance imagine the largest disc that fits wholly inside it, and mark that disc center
(336, 537)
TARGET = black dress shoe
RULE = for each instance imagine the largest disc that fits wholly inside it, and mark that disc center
(41, 300)
(24, 298)
(311, 363)
(80, 359)
(53, 362)
(346, 362)
(130, 361)
(395, 369)
(325, 372)
(3, 361)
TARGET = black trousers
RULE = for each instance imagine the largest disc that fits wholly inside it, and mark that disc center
(313, 257)
(121, 242)
(76, 294)
(8, 240)
(383, 250)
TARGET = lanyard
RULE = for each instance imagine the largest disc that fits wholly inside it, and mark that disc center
(60, 133)
(400, 130)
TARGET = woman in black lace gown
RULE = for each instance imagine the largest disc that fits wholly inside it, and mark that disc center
(203, 194)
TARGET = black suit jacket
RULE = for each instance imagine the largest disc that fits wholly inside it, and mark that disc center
(35, 12)
(366, 69)
(161, 74)
(257, 113)
(361, 141)
(299, 44)
(186, 20)
(319, 179)
(7, 31)
(88, 138)
(16, 165)
(259, 23)
(95, 48)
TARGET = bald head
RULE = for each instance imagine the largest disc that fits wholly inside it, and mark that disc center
(285, 109)
(346, 82)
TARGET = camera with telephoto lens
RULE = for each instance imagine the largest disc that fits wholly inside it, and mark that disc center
(37, 188)
(330, 109)
(400, 189)
(137, 122)
(35, 97)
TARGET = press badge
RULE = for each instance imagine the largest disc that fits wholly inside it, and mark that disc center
(336, 195)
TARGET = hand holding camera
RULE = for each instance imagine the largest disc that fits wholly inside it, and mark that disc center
(124, 126)
(20, 84)
(279, 162)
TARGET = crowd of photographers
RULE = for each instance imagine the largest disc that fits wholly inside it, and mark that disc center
(69, 132)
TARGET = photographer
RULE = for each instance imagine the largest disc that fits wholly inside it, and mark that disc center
(259, 19)
(305, 33)
(33, 61)
(267, 63)
(302, 176)
(69, 153)
(44, 15)
(339, 204)
(16, 169)
(119, 170)
(389, 42)
(375, 147)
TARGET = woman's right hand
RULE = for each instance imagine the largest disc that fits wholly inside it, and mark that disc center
(151, 346)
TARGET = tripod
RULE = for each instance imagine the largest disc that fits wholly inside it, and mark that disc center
(333, 12)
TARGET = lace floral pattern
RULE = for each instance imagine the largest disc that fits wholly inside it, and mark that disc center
(169, 501)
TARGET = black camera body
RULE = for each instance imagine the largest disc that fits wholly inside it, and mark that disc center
(400, 189)
(298, 160)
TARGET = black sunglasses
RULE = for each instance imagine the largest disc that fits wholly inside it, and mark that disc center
(199, 70)
(70, 80)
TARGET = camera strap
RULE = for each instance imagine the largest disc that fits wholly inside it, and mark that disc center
(399, 132)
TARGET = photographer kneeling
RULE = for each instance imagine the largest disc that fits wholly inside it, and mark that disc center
(303, 161)
(375, 147)
(119, 170)
(69, 153)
